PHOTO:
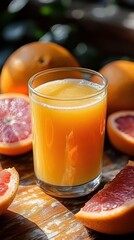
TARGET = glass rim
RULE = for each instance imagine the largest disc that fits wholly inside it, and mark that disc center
(81, 69)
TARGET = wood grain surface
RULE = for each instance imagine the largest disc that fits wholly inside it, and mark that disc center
(34, 215)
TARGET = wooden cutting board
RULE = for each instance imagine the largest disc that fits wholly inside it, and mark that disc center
(34, 215)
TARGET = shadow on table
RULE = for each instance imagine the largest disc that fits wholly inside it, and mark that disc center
(15, 226)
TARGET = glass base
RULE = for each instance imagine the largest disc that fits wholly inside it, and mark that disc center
(70, 191)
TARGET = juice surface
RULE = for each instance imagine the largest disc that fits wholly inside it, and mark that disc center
(68, 135)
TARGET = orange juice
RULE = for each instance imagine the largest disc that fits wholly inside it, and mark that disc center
(68, 131)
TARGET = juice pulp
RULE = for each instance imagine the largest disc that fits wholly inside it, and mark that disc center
(68, 134)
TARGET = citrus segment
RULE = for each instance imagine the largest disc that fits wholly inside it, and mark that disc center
(111, 210)
(9, 181)
(120, 75)
(15, 124)
(32, 58)
(126, 124)
(4, 180)
(120, 129)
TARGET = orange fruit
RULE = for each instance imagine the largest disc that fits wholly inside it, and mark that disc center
(111, 210)
(9, 181)
(120, 76)
(15, 124)
(30, 59)
(120, 130)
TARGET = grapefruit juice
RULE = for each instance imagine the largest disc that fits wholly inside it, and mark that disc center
(68, 131)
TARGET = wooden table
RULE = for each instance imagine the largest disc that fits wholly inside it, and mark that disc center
(34, 215)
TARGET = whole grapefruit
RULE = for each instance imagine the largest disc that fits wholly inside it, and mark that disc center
(120, 76)
(30, 59)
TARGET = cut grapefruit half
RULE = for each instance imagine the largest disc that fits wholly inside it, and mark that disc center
(111, 210)
(9, 181)
(15, 124)
(120, 129)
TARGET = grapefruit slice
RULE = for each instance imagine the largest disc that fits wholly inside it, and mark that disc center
(120, 129)
(111, 210)
(15, 124)
(9, 181)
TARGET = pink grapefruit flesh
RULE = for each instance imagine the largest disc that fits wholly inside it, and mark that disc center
(115, 194)
(126, 124)
(4, 180)
(14, 119)
(15, 124)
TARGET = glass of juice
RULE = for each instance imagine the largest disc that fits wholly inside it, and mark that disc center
(68, 108)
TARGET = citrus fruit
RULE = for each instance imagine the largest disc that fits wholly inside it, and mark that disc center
(111, 210)
(30, 59)
(120, 76)
(15, 124)
(9, 181)
(120, 130)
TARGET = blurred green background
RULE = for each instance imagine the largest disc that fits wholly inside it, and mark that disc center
(95, 32)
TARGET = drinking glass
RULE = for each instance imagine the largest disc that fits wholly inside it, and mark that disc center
(68, 110)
